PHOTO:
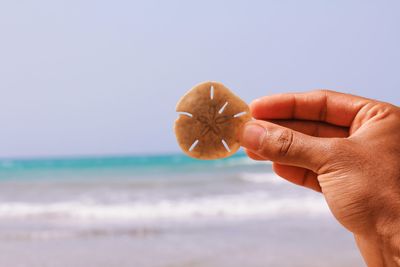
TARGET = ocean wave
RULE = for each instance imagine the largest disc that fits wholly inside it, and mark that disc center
(260, 178)
(250, 204)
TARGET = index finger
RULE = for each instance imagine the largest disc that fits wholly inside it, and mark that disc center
(321, 105)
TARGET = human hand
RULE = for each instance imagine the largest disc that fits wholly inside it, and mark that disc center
(344, 146)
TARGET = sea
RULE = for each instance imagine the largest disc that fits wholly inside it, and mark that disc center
(163, 211)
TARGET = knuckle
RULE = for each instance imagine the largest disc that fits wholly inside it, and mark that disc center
(285, 142)
(393, 109)
(384, 107)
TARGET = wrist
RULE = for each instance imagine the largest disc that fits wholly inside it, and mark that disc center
(388, 235)
(387, 224)
(381, 245)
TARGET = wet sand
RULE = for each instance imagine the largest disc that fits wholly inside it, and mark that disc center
(296, 242)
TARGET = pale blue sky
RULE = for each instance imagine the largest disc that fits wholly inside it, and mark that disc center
(102, 77)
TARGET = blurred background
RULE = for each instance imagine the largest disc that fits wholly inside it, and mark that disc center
(90, 172)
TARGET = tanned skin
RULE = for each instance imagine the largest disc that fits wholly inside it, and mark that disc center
(343, 146)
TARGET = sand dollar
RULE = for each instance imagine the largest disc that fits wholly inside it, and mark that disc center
(209, 122)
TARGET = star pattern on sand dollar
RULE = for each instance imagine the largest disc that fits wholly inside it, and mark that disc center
(213, 120)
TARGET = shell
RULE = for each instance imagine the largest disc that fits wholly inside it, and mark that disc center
(211, 115)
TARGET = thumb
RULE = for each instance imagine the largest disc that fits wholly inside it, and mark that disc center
(285, 146)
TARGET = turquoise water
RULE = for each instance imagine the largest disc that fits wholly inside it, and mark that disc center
(171, 161)
(112, 166)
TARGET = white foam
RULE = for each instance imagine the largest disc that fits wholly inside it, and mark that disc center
(261, 178)
(257, 203)
(242, 161)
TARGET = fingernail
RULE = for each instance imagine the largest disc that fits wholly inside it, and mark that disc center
(252, 136)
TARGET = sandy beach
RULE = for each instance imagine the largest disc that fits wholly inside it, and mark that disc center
(299, 242)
